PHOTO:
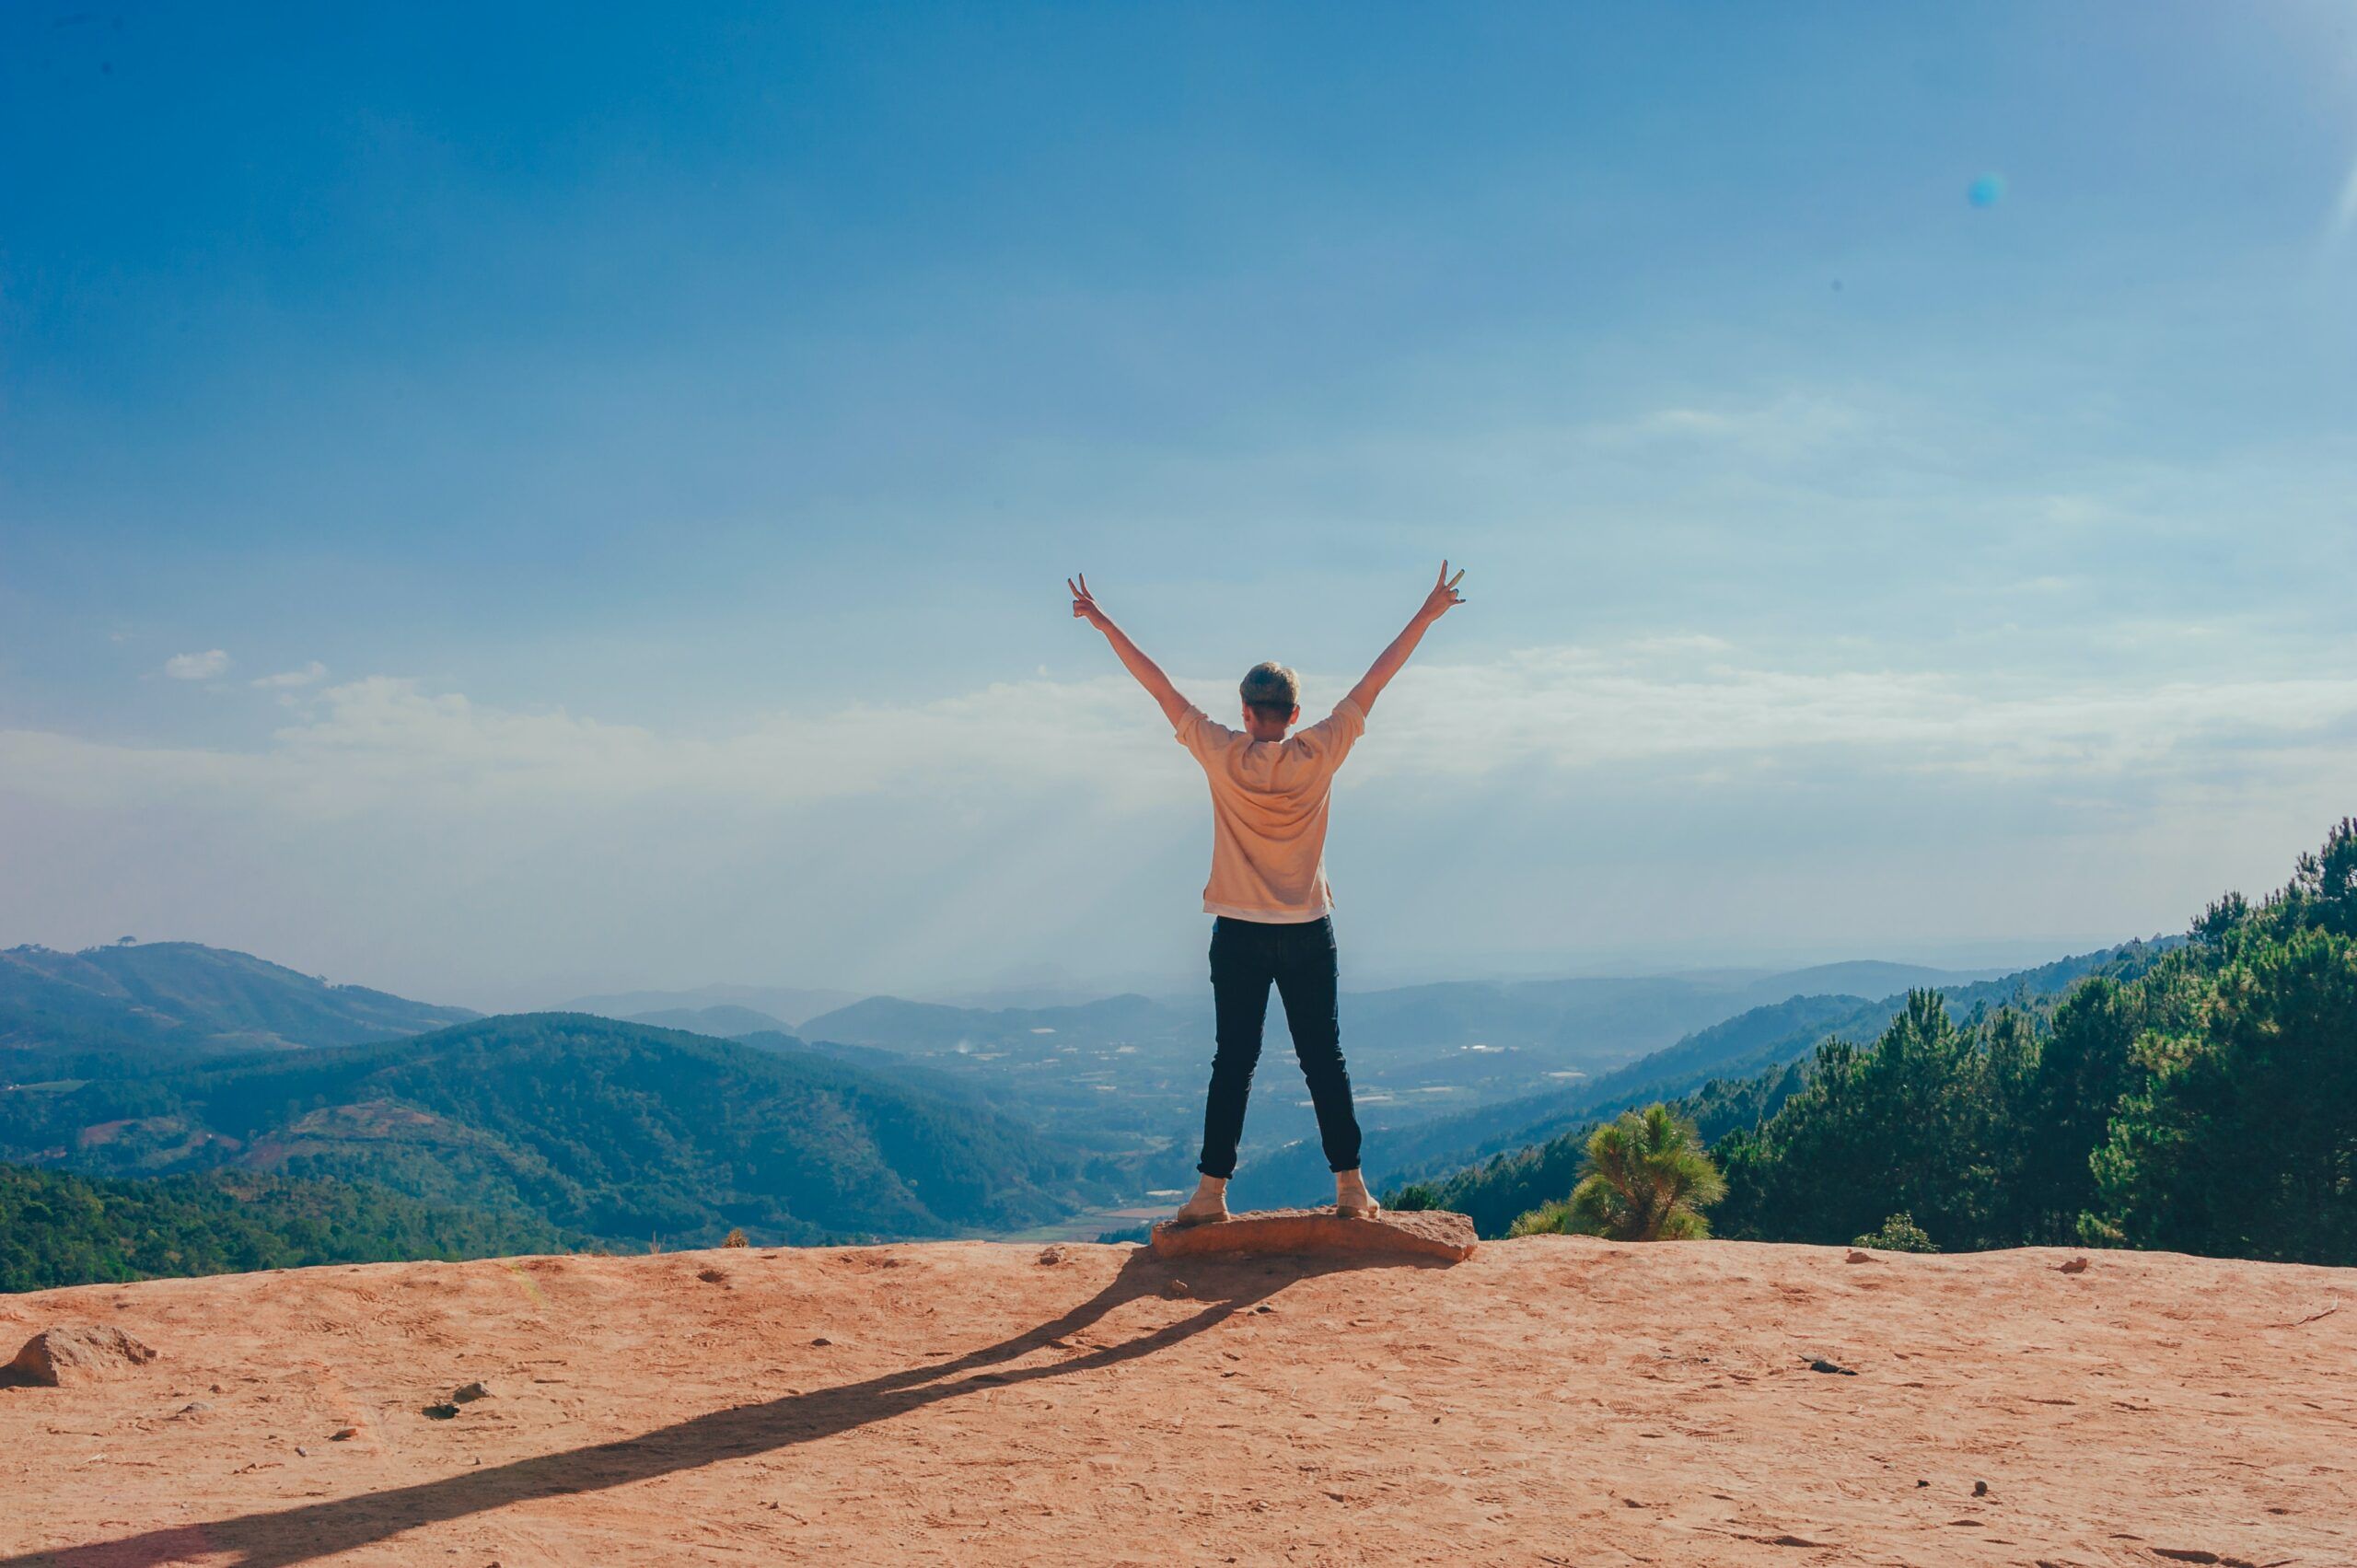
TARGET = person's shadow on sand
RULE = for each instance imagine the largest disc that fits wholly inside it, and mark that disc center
(302, 1534)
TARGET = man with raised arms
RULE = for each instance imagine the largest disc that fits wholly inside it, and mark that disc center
(1273, 909)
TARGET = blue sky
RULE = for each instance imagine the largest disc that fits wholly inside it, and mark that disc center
(579, 497)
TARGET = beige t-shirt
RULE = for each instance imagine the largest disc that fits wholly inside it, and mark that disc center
(1269, 814)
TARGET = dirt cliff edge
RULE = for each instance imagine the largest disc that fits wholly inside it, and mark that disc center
(1550, 1399)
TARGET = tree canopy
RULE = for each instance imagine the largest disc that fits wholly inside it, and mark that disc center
(2200, 1098)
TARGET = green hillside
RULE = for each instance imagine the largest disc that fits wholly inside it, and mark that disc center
(1745, 1044)
(1434, 1148)
(1728, 1077)
(610, 1130)
(58, 1230)
(2199, 1097)
(2208, 1104)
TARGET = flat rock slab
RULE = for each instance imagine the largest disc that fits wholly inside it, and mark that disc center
(76, 1354)
(1428, 1233)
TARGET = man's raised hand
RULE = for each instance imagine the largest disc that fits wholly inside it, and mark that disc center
(1443, 597)
(1148, 673)
(1438, 603)
(1084, 603)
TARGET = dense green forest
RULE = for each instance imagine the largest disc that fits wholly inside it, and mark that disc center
(2203, 1099)
(58, 1230)
(610, 1130)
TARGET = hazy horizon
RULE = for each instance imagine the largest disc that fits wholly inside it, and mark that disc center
(1032, 987)
(1023, 987)
(502, 506)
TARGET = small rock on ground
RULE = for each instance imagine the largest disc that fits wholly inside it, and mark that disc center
(76, 1354)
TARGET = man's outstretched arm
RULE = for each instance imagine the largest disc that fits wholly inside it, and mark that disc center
(1133, 660)
(1438, 603)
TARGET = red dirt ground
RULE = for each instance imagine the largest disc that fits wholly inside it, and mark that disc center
(1553, 1401)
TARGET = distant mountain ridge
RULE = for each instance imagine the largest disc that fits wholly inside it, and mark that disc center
(1063, 1106)
(1865, 977)
(1124, 1075)
(723, 1021)
(789, 1006)
(1585, 1020)
(934, 1026)
(177, 1001)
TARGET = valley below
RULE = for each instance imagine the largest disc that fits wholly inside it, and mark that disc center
(394, 1128)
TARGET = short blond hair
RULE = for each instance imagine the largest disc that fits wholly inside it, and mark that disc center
(1269, 689)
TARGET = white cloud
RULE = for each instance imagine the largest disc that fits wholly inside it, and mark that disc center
(1576, 708)
(1693, 701)
(196, 667)
(310, 674)
(1564, 798)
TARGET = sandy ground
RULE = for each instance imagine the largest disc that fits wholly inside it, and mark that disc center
(1554, 1400)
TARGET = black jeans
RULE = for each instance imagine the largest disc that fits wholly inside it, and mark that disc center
(1246, 955)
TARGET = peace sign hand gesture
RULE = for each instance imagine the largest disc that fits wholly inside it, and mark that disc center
(1443, 597)
(1084, 603)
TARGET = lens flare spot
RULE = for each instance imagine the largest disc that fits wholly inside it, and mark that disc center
(1987, 190)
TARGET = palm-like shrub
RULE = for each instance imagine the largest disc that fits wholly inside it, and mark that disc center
(1648, 1178)
(1897, 1234)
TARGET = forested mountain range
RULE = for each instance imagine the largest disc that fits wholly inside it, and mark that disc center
(895, 1119)
(131, 1059)
(61, 1014)
(1418, 1049)
(588, 1126)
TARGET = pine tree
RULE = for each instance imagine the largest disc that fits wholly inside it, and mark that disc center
(1648, 1178)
